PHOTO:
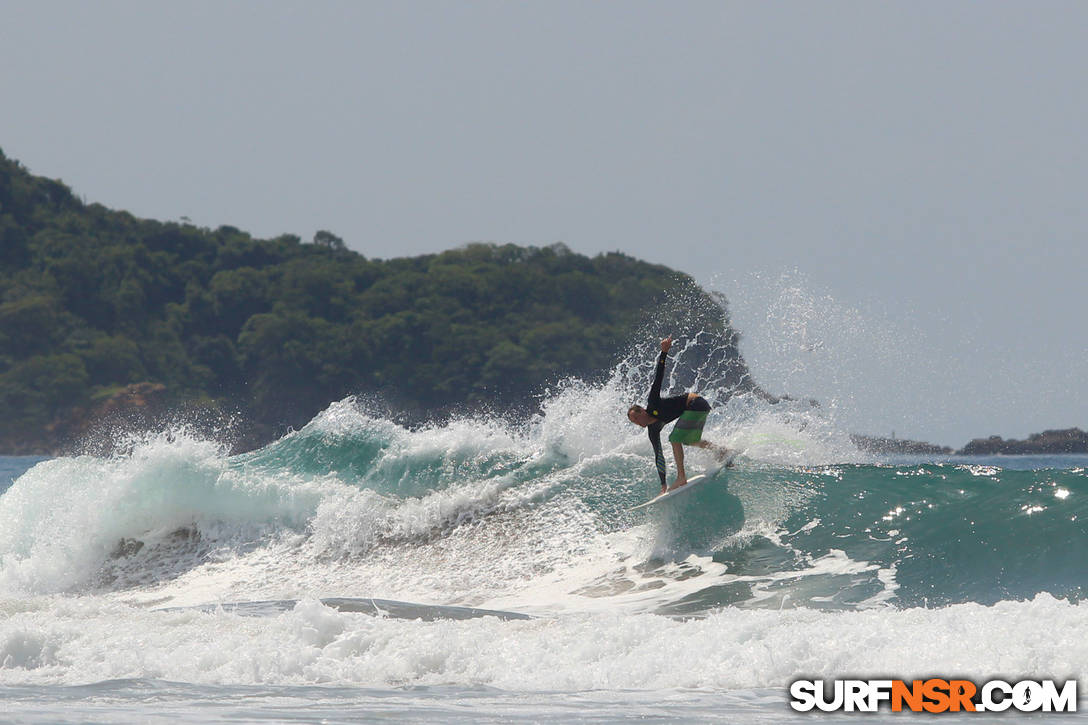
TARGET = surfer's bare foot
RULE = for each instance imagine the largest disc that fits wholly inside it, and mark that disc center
(664, 488)
(678, 483)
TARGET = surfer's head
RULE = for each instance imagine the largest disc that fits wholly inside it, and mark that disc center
(638, 415)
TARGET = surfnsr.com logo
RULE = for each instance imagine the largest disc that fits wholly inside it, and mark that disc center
(934, 695)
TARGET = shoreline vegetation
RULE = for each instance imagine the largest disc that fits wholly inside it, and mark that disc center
(110, 323)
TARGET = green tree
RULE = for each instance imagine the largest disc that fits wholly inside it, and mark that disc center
(329, 240)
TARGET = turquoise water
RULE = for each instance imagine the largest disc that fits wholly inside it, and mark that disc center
(175, 582)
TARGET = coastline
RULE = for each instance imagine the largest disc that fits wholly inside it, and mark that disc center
(1048, 443)
(94, 438)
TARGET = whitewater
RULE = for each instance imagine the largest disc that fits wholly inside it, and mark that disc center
(483, 570)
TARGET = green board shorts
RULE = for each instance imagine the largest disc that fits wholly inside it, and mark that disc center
(689, 426)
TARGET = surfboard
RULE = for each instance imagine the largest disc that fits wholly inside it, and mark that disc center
(692, 483)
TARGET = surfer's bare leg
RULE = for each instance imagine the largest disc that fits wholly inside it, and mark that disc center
(678, 455)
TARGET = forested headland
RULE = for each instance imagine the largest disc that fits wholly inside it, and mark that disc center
(102, 313)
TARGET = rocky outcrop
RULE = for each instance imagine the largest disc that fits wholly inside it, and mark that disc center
(1070, 440)
(88, 428)
(93, 428)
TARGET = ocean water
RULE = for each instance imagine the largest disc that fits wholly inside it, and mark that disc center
(482, 571)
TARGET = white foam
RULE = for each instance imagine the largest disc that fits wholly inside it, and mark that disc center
(72, 641)
(65, 517)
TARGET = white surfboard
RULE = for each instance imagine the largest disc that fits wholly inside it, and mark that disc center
(693, 482)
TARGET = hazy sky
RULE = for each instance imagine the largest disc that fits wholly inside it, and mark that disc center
(892, 195)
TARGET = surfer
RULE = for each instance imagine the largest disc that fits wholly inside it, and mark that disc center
(690, 408)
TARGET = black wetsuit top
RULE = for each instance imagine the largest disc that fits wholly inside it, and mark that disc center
(666, 410)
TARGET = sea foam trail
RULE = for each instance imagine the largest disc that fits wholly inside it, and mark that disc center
(65, 641)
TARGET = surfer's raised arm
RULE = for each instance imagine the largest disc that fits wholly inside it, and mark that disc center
(659, 372)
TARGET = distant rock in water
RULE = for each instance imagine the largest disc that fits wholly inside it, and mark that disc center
(870, 444)
(1070, 440)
